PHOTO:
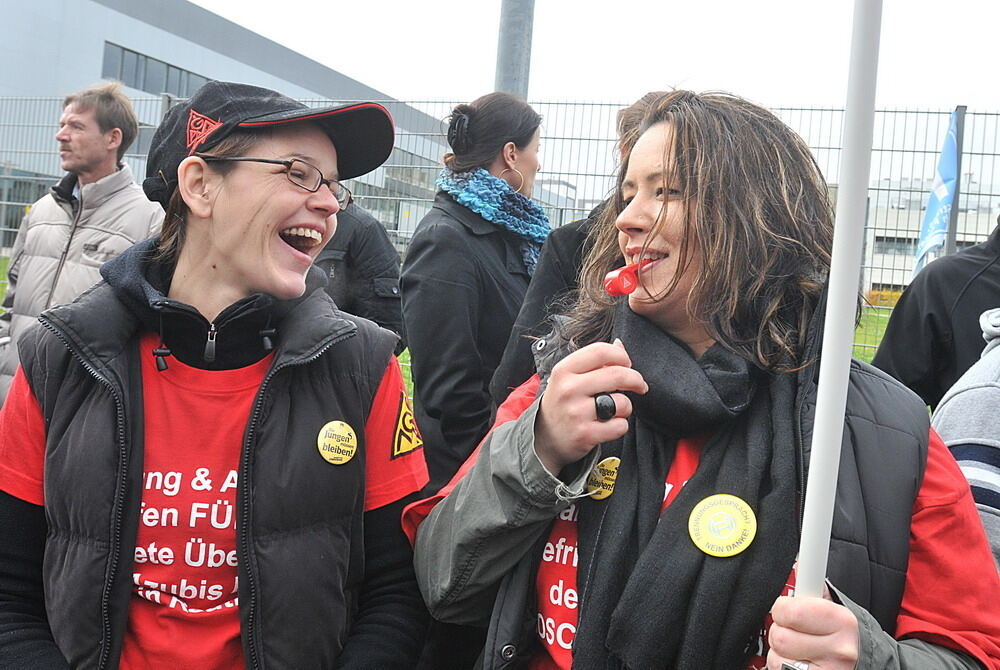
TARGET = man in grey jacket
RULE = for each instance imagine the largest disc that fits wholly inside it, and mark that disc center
(968, 420)
(94, 213)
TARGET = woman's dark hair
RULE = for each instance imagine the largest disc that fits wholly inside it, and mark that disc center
(629, 120)
(758, 212)
(172, 233)
(479, 130)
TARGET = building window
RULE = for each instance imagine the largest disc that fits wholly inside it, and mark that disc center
(112, 61)
(129, 62)
(900, 246)
(148, 74)
(156, 75)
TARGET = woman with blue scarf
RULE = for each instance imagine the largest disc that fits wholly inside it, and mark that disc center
(466, 272)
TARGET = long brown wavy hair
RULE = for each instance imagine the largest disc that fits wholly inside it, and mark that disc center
(758, 211)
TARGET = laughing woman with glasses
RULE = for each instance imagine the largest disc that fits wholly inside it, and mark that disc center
(202, 463)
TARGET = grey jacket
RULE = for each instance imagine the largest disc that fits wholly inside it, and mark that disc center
(62, 243)
(968, 420)
(473, 553)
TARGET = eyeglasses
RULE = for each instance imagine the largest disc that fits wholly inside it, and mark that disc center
(299, 172)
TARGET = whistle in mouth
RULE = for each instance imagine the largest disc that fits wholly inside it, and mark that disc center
(625, 279)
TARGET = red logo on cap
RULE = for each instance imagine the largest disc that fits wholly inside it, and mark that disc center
(198, 129)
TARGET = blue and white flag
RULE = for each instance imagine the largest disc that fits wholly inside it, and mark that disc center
(938, 214)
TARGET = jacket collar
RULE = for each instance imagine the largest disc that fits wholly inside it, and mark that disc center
(100, 325)
(99, 329)
(95, 194)
(476, 224)
(479, 226)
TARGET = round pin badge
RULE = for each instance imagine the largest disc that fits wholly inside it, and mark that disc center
(337, 442)
(601, 481)
(722, 525)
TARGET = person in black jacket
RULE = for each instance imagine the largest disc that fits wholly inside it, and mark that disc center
(933, 334)
(463, 280)
(202, 460)
(556, 276)
(363, 270)
(554, 281)
(466, 271)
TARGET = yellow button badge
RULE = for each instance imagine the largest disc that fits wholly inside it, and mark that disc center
(601, 482)
(337, 442)
(722, 525)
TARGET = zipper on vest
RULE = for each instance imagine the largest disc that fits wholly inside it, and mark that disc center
(210, 344)
(117, 504)
(246, 465)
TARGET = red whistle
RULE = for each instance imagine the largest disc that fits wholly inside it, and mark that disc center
(625, 279)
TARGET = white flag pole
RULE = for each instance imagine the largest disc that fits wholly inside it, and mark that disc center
(838, 329)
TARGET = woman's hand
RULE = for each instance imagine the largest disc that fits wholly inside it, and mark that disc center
(815, 630)
(566, 427)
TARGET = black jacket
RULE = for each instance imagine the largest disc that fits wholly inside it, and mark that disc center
(322, 583)
(933, 335)
(363, 270)
(555, 278)
(463, 282)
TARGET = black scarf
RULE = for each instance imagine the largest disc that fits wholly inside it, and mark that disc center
(649, 597)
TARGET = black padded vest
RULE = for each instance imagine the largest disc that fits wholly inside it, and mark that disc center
(299, 519)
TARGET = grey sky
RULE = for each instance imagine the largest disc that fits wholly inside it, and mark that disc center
(934, 55)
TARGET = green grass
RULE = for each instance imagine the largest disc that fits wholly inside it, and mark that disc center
(404, 364)
(3, 277)
(869, 332)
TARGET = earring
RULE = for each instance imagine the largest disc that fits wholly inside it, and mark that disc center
(518, 173)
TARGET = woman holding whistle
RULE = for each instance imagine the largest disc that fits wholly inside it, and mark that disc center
(638, 503)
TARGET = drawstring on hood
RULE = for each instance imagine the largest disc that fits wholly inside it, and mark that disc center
(267, 335)
(162, 351)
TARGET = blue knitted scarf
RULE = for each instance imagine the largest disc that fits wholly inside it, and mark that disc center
(494, 200)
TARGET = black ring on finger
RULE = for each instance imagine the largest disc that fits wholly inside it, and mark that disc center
(604, 406)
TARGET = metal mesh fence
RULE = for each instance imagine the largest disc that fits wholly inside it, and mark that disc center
(578, 157)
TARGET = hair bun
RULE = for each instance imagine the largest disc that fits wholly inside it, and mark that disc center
(458, 130)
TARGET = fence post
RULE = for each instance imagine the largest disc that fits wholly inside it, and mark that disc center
(5, 179)
(166, 102)
(950, 236)
(514, 46)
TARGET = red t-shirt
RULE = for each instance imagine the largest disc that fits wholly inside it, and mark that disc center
(184, 608)
(952, 592)
(946, 544)
(556, 579)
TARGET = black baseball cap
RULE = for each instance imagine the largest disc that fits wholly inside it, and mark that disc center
(361, 132)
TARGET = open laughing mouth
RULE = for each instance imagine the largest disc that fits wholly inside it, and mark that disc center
(301, 239)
